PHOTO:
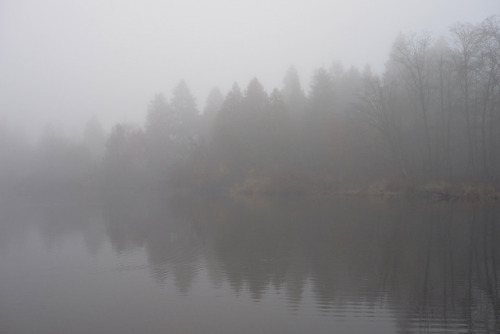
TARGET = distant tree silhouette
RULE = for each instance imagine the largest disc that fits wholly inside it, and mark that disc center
(159, 133)
(212, 106)
(125, 156)
(94, 138)
(317, 130)
(184, 112)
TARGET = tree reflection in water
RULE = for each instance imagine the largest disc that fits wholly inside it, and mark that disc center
(433, 264)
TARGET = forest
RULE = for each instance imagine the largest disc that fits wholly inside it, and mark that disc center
(431, 117)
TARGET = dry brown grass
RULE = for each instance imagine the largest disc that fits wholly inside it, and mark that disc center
(463, 191)
(293, 184)
(286, 184)
(479, 192)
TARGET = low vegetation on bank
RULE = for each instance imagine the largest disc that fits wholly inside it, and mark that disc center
(302, 185)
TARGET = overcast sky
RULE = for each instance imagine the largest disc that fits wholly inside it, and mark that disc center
(64, 61)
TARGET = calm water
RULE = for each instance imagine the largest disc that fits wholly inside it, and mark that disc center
(146, 264)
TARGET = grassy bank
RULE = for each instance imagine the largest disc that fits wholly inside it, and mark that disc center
(298, 185)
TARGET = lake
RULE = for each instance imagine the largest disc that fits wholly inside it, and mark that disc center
(151, 263)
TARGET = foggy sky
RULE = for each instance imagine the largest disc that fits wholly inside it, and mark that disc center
(64, 62)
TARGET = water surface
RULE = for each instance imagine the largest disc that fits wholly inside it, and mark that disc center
(144, 263)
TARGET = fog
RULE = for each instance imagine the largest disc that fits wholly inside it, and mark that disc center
(429, 116)
(63, 63)
(267, 166)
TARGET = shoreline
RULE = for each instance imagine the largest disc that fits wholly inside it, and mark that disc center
(433, 191)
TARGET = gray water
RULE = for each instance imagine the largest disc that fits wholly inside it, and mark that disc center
(151, 264)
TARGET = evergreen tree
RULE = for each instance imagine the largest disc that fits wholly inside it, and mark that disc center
(293, 94)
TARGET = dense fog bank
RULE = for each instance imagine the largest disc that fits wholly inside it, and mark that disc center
(432, 115)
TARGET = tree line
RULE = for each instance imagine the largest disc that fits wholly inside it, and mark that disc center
(433, 114)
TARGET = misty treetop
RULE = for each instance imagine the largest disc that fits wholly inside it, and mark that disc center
(433, 114)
